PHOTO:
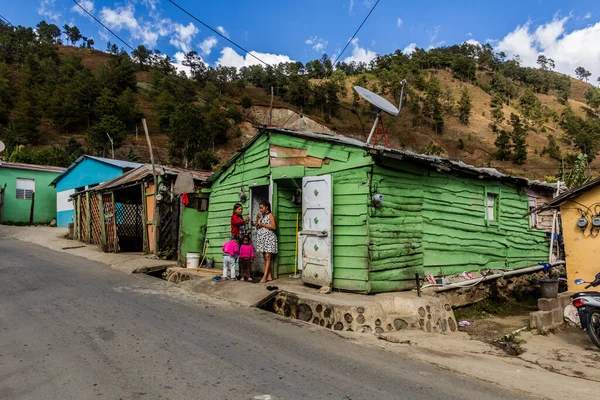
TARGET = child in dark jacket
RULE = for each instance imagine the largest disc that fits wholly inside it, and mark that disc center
(246, 259)
(238, 222)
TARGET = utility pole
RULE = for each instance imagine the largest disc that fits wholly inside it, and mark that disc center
(112, 145)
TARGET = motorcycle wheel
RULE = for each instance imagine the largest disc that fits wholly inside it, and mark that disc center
(594, 328)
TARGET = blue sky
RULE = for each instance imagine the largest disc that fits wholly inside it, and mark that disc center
(304, 30)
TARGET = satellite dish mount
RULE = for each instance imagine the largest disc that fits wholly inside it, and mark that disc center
(380, 104)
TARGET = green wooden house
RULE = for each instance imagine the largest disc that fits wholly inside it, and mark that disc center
(371, 218)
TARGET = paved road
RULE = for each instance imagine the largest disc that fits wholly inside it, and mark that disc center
(73, 329)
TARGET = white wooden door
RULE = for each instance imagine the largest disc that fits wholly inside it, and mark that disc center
(316, 236)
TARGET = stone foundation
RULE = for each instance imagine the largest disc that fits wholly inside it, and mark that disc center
(386, 314)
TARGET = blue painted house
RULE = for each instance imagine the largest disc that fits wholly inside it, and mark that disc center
(85, 173)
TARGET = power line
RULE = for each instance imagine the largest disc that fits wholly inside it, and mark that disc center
(160, 70)
(217, 32)
(7, 21)
(336, 60)
(104, 26)
(353, 36)
(265, 63)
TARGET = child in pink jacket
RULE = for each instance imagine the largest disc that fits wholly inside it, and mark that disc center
(246, 259)
(231, 250)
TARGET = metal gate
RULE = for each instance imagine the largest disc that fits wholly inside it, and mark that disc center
(130, 228)
(168, 237)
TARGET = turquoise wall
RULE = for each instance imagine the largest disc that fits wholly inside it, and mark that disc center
(87, 172)
(17, 210)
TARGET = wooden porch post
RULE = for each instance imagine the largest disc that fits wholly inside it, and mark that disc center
(145, 217)
(274, 211)
(102, 222)
(88, 217)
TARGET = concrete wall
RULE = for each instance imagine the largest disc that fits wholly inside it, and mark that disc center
(582, 249)
(17, 210)
(87, 172)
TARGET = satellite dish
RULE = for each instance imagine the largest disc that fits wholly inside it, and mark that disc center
(380, 104)
(2, 147)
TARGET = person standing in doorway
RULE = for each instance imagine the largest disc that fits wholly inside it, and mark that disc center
(238, 222)
(266, 239)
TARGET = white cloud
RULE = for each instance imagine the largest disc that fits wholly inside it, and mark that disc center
(183, 36)
(46, 10)
(222, 31)
(207, 45)
(399, 22)
(146, 31)
(409, 49)
(230, 58)
(569, 50)
(473, 42)
(351, 6)
(87, 4)
(317, 44)
(469, 34)
(434, 34)
(360, 54)
(588, 16)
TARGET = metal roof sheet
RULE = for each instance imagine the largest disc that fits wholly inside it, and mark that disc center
(117, 163)
(31, 167)
(443, 164)
(145, 170)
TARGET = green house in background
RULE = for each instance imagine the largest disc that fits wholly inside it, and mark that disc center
(24, 184)
(371, 218)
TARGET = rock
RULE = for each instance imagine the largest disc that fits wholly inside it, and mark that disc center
(53, 223)
(325, 290)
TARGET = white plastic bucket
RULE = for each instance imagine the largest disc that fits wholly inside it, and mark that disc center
(192, 260)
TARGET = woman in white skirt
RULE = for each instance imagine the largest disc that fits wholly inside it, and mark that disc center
(266, 239)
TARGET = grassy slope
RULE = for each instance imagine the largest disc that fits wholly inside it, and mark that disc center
(478, 137)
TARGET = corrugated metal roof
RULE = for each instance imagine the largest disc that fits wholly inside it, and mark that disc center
(31, 167)
(145, 170)
(566, 196)
(117, 163)
(440, 163)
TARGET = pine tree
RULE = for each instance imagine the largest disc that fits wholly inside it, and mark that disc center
(464, 106)
(132, 155)
(502, 142)
(519, 140)
(497, 113)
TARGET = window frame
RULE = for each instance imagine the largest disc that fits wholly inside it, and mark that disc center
(495, 191)
(24, 191)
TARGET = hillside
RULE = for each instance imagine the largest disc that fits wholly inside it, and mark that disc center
(238, 99)
(479, 149)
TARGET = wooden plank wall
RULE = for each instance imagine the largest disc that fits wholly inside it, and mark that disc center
(250, 170)
(396, 229)
(286, 224)
(349, 168)
(455, 233)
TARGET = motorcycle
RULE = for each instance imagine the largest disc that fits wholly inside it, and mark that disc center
(588, 308)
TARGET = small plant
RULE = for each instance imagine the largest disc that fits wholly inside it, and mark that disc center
(469, 137)
(246, 101)
(432, 149)
(461, 144)
(483, 114)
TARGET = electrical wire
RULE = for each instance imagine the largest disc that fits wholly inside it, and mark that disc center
(267, 64)
(7, 21)
(158, 69)
(338, 57)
